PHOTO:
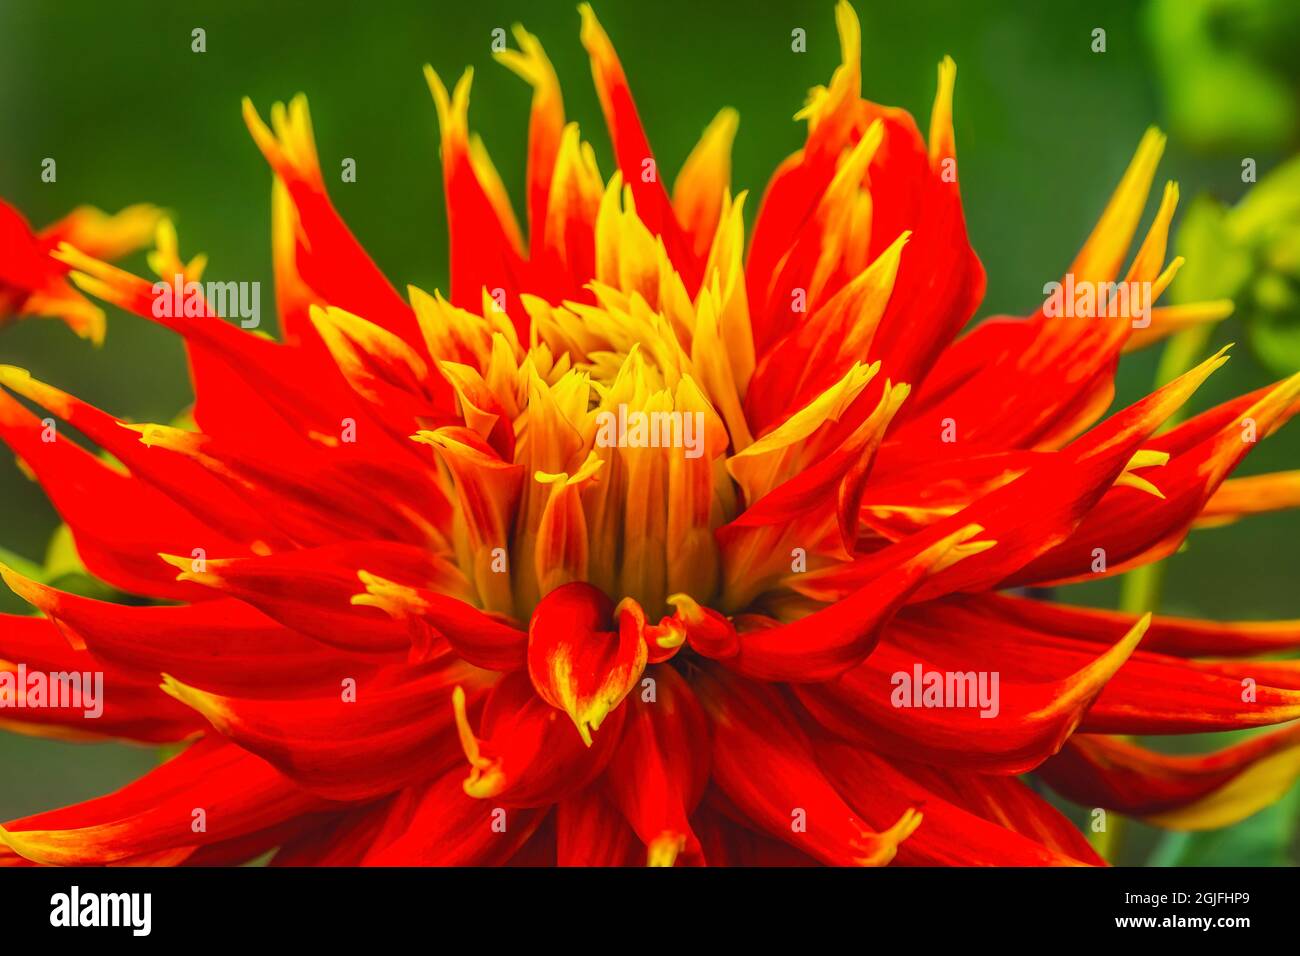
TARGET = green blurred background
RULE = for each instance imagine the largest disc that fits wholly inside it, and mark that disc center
(1044, 128)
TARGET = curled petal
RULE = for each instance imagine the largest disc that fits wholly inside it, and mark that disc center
(577, 663)
(545, 126)
(709, 632)
(1177, 791)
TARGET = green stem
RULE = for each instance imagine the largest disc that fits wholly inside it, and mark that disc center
(1140, 589)
(1107, 842)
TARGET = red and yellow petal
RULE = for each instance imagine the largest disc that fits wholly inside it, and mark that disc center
(213, 791)
(582, 660)
(764, 765)
(1177, 791)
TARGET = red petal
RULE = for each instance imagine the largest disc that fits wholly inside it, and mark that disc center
(118, 524)
(335, 840)
(327, 257)
(764, 765)
(311, 590)
(970, 820)
(590, 831)
(437, 824)
(577, 663)
(133, 707)
(1179, 791)
(366, 739)
(1132, 526)
(222, 645)
(881, 704)
(155, 815)
(484, 255)
(727, 841)
(658, 773)
(829, 642)
(525, 754)
(483, 639)
(1179, 637)
(632, 149)
(180, 479)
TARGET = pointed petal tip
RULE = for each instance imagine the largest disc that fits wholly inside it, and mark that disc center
(24, 587)
(664, 849)
(881, 848)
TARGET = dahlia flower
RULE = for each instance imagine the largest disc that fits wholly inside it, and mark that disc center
(32, 282)
(642, 547)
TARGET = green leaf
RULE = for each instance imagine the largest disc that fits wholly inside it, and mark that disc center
(1277, 343)
(61, 555)
(24, 566)
(63, 568)
(1220, 92)
(1270, 205)
(1218, 267)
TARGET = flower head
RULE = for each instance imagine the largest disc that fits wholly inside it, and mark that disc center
(32, 282)
(642, 546)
